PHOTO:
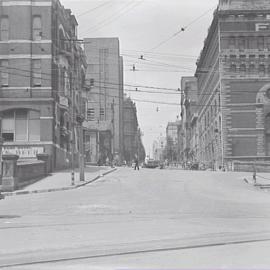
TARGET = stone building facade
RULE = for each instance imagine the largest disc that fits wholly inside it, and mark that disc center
(189, 116)
(133, 145)
(104, 119)
(42, 77)
(233, 74)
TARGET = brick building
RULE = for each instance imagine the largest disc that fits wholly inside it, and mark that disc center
(42, 75)
(233, 74)
(105, 99)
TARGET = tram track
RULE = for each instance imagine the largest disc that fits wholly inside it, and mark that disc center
(125, 249)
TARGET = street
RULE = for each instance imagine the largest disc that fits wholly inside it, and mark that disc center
(152, 219)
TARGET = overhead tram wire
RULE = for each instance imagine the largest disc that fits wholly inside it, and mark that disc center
(183, 29)
(129, 6)
(109, 83)
(93, 9)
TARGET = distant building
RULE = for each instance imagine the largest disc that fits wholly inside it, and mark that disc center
(42, 80)
(172, 147)
(234, 85)
(189, 108)
(104, 120)
(159, 148)
(132, 135)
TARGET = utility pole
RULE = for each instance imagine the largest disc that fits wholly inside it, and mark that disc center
(1, 145)
(113, 129)
(81, 149)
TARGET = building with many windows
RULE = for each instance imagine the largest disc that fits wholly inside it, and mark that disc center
(172, 141)
(159, 146)
(42, 71)
(189, 108)
(233, 74)
(132, 134)
(104, 119)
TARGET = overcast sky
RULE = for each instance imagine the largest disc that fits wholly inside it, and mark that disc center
(142, 25)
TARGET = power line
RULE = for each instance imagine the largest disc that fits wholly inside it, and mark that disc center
(129, 6)
(93, 9)
(113, 84)
(183, 29)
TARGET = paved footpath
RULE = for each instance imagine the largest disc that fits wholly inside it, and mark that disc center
(59, 181)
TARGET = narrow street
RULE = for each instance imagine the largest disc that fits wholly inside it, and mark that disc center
(156, 218)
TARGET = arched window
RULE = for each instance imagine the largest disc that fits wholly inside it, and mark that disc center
(61, 39)
(21, 125)
(4, 27)
(37, 28)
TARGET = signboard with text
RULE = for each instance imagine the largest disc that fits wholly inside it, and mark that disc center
(23, 151)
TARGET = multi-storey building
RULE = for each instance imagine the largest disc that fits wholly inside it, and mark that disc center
(189, 107)
(159, 148)
(172, 148)
(233, 74)
(105, 99)
(132, 135)
(42, 73)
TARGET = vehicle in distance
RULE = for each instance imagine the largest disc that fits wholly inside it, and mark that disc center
(151, 163)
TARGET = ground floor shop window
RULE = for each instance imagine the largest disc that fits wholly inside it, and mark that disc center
(21, 125)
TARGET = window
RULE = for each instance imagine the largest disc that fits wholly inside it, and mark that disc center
(36, 79)
(34, 125)
(91, 114)
(92, 82)
(4, 28)
(268, 43)
(4, 72)
(233, 69)
(61, 39)
(8, 128)
(37, 28)
(67, 87)
(243, 69)
(261, 70)
(102, 113)
(242, 43)
(231, 42)
(252, 69)
(260, 43)
(21, 125)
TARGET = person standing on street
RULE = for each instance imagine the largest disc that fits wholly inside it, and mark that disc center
(136, 164)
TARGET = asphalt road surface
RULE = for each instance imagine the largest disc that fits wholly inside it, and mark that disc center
(147, 219)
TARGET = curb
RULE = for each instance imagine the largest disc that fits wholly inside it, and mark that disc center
(25, 192)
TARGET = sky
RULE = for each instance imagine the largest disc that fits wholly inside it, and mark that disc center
(142, 27)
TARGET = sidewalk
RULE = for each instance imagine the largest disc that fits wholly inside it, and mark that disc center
(59, 181)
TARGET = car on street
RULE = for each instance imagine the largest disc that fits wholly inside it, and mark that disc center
(151, 164)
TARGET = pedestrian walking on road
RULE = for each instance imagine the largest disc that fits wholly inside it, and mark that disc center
(136, 164)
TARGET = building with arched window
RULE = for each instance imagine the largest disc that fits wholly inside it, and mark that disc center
(234, 61)
(41, 80)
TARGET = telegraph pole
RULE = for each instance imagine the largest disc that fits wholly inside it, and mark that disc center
(1, 145)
